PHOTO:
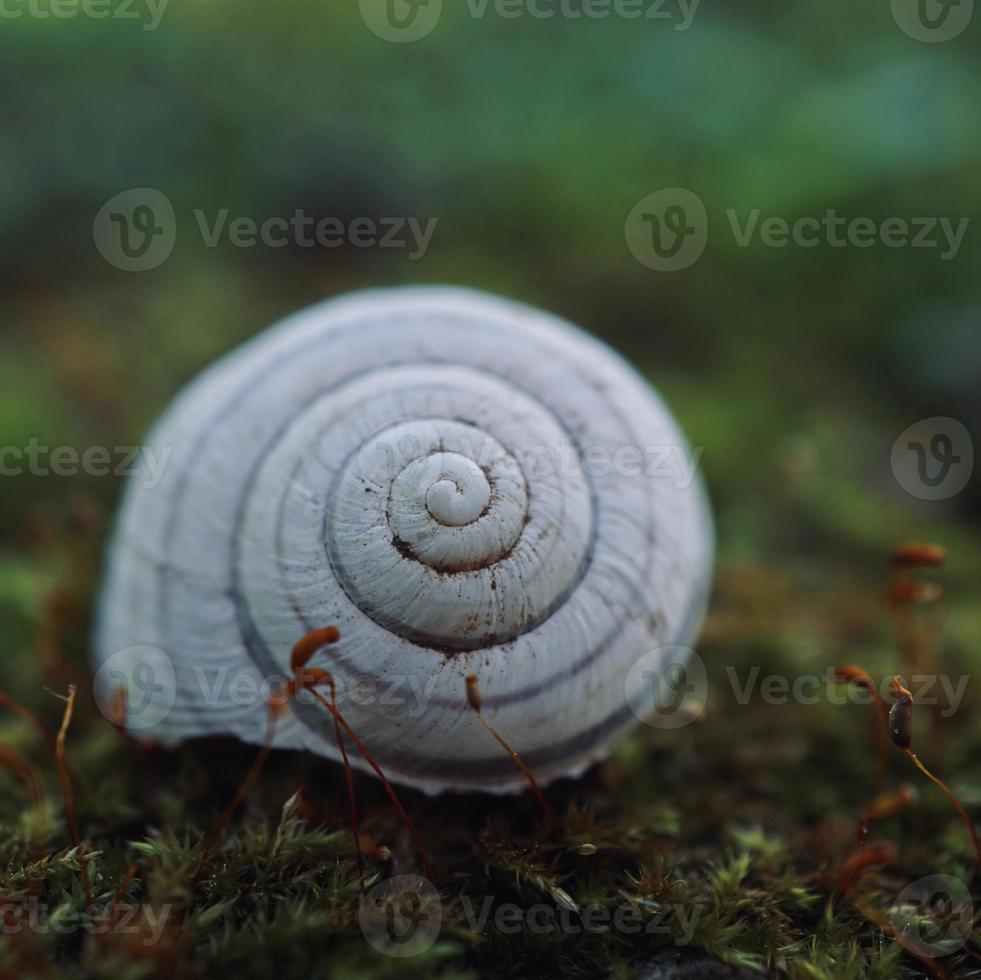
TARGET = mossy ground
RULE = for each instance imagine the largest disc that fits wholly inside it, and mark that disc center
(722, 837)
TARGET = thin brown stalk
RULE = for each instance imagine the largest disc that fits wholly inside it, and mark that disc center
(309, 678)
(64, 778)
(849, 874)
(877, 918)
(475, 702)
(857, 675)
(958, 806)
(349, 780)
(366, 755)
(901, 729)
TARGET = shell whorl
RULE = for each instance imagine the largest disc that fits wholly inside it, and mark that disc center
(418, 467)
(436, 531)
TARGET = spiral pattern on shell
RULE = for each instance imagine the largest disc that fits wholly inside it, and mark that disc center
(419, 467)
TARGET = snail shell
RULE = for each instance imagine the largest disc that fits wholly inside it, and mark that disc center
(463, 485)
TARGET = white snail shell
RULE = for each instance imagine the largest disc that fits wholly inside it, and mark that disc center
(444, 476)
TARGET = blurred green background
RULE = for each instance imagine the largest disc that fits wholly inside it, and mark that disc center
(529, 140)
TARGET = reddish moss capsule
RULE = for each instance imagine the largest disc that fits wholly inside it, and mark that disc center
(473, 693)
(913, 555)
(310, 643)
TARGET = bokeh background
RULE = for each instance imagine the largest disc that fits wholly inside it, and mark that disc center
(530, 141)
